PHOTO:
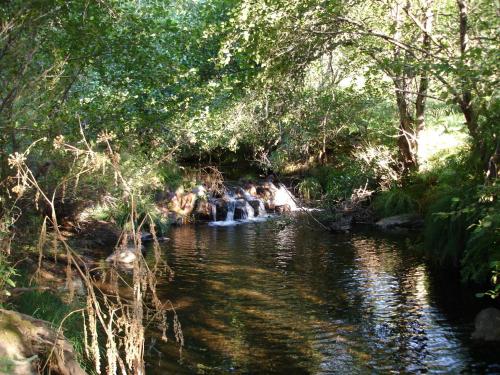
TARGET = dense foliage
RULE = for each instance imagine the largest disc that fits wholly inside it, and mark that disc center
(400, 99)
(292, 85)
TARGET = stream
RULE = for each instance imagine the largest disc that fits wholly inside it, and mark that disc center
(282, 297)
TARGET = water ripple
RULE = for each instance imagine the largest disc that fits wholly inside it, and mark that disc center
(266, 298)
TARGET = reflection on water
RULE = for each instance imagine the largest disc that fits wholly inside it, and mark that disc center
(265, 298)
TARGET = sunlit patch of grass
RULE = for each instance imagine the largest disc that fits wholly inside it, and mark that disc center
(444, 135)
(310, 188)
(98, 212)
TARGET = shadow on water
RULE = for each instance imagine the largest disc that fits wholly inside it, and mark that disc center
(265, 298)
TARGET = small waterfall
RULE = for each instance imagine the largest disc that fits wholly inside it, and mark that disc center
(231, 207)
(262, 208)
(250, 212)
(213, 211)
(283, 196)
(247, 211)
(244, 213)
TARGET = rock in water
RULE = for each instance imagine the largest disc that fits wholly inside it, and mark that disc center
(203, 210)
(342, 224)
(400, 221)
(146, 237)
(487, 325)
(199, 191)
(125, 255)
(122, 256)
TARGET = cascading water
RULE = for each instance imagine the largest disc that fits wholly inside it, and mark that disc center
(244, 212)
(213, 211)
(284, 197)
(245, 207)
(249, 211)
(231, 207)
(262, 208)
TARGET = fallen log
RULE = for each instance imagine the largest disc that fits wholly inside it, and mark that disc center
(26, 341)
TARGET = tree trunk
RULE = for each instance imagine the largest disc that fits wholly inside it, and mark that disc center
(406, 138)
(465, 100)
(493, 170)
(421, 100)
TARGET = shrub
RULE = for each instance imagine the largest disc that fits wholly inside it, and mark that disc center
(341, 183)
(482, 250)
(322, 175)
(171, 175)
(394, 202)
(7, 273)
(145, 211)
(445, 226)
(279, 159)
(310, 188)
(462, 229)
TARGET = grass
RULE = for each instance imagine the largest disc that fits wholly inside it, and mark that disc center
(51, 308)
(48, 306)
(310, 188)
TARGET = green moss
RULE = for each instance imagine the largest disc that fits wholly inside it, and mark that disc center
(6, 365)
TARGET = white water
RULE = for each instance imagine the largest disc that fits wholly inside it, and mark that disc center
(248, 212)
(262, 209)
(213, 211)
(231, 207)
(229, 221)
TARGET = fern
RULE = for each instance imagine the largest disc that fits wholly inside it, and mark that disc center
(462, 229)
(310, 188)
(394, 202)
(445, 230)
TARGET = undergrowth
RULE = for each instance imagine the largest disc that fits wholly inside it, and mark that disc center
(394, 202)
(310, 188)
(462, 217)
(46, 305)
(119, 213)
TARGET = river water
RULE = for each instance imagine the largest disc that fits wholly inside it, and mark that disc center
(281, 297)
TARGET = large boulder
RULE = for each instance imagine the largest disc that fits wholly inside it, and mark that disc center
(409, 221)
(487, 325)
(203, 210)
